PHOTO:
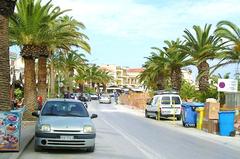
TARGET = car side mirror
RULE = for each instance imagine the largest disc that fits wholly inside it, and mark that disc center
(36, 114)
(94, 116)
(148, 103)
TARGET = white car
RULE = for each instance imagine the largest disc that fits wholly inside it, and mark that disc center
(165, 104)
(94, 97)
(105, 98)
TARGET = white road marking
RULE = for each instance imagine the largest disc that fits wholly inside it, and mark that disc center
(148, 152)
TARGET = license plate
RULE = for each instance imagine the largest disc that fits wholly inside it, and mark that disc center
(66, 137)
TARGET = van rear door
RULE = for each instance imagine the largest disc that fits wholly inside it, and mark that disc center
(176, 104)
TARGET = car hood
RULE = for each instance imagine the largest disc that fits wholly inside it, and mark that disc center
(65, 123)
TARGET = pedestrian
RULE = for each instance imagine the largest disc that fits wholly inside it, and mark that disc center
(116, 97)
(14, 104)
(40, 102)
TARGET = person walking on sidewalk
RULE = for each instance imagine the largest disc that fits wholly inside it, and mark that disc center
(116, 97)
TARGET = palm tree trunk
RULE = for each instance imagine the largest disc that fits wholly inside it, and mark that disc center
(203, 67)
(81, 87)
(160, 82)
(93, 84)
(52, 80)
(42, 77)
(70, 80)
(176, 79)
(5, 104)
(104, 87)
(29, 87)
(98, 87)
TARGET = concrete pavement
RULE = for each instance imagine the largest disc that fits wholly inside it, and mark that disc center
(231, 142)
(27, 134)
(125, 133)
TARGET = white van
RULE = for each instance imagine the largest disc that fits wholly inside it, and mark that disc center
(167, 104)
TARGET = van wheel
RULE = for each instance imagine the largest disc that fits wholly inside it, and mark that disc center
(179, 117)
(146, 114)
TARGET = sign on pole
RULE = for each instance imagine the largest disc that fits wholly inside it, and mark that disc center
(227, 85)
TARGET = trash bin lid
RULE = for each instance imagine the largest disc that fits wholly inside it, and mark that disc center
(192, 104)
(225, 112)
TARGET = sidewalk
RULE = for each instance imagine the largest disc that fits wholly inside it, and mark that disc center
(27, 134)
(231, 142)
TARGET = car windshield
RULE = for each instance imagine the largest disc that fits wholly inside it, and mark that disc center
(64, 108)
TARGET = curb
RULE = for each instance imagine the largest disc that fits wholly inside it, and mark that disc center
(27, 137)
(25, 145)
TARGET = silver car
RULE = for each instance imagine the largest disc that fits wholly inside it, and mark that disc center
(105, 98)
(64, 123)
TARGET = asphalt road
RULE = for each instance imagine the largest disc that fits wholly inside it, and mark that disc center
(123, 135)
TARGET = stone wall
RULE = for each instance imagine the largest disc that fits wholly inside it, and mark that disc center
(138, 100)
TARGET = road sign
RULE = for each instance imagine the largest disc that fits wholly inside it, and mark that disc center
(227, 85)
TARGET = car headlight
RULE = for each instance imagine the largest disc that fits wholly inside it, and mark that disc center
(45, 127)
(88, 129)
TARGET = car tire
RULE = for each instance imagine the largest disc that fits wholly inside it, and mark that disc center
(37, 148)
(146, 114)
(91, 149)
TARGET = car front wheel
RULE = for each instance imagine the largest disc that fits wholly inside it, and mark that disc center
(37, 148)
(91, 149)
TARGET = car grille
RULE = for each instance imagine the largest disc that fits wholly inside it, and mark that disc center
(74, 131)
(66, 142)
(57, 136)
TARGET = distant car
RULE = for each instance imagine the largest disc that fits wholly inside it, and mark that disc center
(94, 96)
(105, 98)
(64, 123)
(88, 96)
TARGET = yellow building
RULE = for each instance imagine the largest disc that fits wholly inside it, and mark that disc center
(123, 76)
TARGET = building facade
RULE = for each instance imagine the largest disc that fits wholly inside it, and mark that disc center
(123, 76)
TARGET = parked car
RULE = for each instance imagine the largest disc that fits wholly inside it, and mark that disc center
(88, 96)
(105, 98)
(168, 104)
(94, 96)
(64, 123)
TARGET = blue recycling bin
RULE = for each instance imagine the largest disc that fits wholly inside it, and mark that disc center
(226, 122)
(189, 115)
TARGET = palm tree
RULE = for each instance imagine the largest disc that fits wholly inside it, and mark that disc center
(155, 72)
(6, 10)
(28, 29)
(81, 77)
(230, 32)
(201, 47)
(65, 32)
(69, 62)
(104, 79)
(175, 60)
(92, 75)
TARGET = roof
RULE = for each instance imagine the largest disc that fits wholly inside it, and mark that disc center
(135, 70)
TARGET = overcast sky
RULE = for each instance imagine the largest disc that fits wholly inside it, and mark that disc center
(122, 31)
